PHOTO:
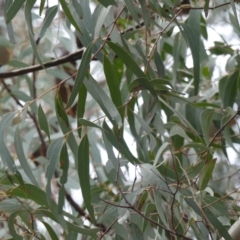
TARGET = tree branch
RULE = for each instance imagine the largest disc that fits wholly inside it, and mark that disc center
(67, 58)
(80, 211)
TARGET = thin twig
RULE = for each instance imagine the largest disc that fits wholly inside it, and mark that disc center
(31, 115)
(80, 211)
(222, 128)
(160, 34)
(130, 206)
(108, 229)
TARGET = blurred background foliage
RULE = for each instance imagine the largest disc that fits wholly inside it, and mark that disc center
(119, 119)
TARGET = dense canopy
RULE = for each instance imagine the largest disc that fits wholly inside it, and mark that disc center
(119, 119)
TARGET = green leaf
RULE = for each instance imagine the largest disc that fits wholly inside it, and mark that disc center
(78, 9)
(86, 231)
(104, 102)
(64, 165)
(11, 224)
(61, 113)
(53, 155)
(43, 122)
(13, 10)
(193, 41)
(206, 174)
(49, 16)
(145, 13)
(20, 180)
(226, 86)
(148, 130)
(65, 125)
(82, 96)
(6, 157)
(107, 3)
(183, 119)
(206, 123)
(176, 130)
(103, 13)
(149, 208)
(142, 84)
(87, 123)
(159, 65)
(51, 232)
(112, 158)
(160, 207)
(206, 7)
(232, 2)
(127, 59)
(132, 10)
(113, 84)
(28, 17)
(119, 144)
(69, 15)
(223, 232)
(82, 72)
(39, 196)
(83, 174)
(11, 205)
(42, 4)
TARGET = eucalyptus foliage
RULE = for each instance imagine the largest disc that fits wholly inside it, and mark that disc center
(119, 119)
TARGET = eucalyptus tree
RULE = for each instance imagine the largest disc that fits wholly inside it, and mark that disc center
(119, 119)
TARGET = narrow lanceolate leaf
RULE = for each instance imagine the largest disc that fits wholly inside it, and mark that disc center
(113, 84)
(6, 157)
(222, 231)
(82, 96)
(82, 71)
(64, 165)
(43, 122)
(53, 155)
(142, 84)
(127, 59)
(39, 196)
(206, 174)
(159, 65)
(69, 15)
(83, 173)
(232, 2)
(226, 86)
(104, 102)
(50, 14)
(132, 10)
(145, 13)
(33, 193)
(193, 41)
(101, 18)
(119, 144)
(22, 159)
(20, 180)
(65, 125)
(51, 232)
(107, 3)
(13, 10)
(85, 231)
(206, 123)
(78, 8)
(206, 7)
(87, 123)
(42, 4)
(11, 224)
(28, 17)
